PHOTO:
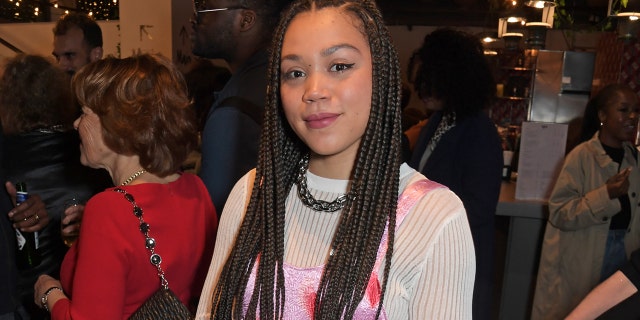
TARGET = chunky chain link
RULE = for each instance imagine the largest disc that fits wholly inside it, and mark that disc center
(308, 199)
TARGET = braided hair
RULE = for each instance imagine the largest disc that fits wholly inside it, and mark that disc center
(375, 178)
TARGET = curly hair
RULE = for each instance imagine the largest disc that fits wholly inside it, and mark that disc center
(590, 120)
(451, 66)
(90, 28)
(143, 108)
(35, 94)
(375, 177)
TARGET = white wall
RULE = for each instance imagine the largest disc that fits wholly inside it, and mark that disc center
(37, 38)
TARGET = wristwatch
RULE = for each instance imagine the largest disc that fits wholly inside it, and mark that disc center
(45, 297)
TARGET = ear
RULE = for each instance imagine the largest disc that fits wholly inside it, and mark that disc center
(247, 19)
(601, 116)
(95, 54)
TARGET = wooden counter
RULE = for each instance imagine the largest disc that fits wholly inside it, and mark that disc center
(524, 241)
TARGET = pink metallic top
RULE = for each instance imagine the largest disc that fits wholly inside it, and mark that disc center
(301, 284)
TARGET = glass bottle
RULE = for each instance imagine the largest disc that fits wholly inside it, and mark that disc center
(28, 255)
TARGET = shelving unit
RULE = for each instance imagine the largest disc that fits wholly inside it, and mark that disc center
(514, 70)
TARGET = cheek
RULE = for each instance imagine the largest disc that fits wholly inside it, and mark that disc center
(90, 133)
(289, 99)
(360, 100)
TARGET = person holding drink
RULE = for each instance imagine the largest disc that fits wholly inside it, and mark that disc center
(594, 210)
(40, 149)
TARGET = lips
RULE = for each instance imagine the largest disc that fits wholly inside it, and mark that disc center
(321, 120)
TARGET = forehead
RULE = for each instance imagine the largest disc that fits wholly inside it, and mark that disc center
(324, 28)
(211, 4)
(72, 40)
(621, 97)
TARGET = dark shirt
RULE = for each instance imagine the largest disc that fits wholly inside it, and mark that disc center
(231, 137)
(619, 221)
(468, 160)
(8, 270)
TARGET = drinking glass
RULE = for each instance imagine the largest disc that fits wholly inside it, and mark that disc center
(71, 206)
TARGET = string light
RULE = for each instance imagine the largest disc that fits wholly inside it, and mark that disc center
(45, 10)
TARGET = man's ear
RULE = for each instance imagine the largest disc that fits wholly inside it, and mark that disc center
(95, 54)
(248, 20)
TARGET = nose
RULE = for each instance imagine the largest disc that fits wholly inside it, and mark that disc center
(76, 123)
(315, 88)
(64, 63)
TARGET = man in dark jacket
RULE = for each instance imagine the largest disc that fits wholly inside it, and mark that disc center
(240, 35)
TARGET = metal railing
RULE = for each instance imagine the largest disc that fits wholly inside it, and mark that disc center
(10, 46)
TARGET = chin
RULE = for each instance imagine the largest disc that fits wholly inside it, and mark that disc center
(86, 163)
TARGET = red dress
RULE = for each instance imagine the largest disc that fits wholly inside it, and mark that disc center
(107, 274)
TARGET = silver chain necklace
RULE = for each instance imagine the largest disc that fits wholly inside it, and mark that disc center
(308, 199)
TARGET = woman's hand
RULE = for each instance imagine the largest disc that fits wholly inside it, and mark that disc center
(44, 283)
(618, 184)
(71, 218)
(29, 216)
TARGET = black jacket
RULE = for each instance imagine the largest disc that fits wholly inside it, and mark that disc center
(49, 163)
(8, 271)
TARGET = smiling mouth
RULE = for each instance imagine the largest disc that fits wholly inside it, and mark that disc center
(319, 121)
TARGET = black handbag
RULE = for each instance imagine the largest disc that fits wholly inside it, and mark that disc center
(163, 304)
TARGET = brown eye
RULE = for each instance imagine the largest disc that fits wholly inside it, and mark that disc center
(340, 67)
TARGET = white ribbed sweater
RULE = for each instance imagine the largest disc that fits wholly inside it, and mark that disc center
(433, 264)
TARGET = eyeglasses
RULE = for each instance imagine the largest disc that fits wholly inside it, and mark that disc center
(198, 12)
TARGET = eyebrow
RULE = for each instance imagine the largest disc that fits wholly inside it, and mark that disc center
(66, 53)
(325, 53)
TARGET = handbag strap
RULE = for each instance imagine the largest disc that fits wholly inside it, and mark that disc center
(150, 243)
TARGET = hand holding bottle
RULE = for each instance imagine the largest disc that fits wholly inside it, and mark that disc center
(29, 216)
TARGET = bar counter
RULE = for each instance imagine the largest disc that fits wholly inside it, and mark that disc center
(527, 220)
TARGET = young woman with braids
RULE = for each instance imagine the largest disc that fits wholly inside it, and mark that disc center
(304, 235)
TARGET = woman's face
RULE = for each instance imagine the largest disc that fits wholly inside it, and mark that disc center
(326, 82)
(93, 151)
(619, 118)
(432, 103)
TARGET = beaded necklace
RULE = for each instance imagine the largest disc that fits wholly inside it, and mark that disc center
(134, 176)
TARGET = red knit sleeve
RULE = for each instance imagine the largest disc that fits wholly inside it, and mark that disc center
(97, 285)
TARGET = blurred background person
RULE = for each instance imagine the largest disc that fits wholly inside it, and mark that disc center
(141, 142)
(593, 221)
(204, 79)
(10, 306)
(40, 148)
(77, 40)
(240, 36)
(459, 146)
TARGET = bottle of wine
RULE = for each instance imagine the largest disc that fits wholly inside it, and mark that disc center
(28, 255)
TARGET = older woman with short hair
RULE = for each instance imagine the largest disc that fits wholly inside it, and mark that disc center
(137, 124)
